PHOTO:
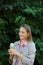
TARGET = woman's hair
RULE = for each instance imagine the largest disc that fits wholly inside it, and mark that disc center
(28, 29)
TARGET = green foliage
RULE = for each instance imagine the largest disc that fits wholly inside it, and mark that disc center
(12, 15)
(39, 55)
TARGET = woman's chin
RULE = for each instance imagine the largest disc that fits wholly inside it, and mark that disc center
(21, 38)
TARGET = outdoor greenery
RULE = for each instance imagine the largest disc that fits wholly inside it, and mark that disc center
(12, 15)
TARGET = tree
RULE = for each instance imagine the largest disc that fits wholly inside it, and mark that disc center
(12, 15)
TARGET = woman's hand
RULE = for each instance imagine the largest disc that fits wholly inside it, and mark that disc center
(10, 56)
(12, 52)
(16, 53)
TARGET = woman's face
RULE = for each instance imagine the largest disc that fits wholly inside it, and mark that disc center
(23, 34)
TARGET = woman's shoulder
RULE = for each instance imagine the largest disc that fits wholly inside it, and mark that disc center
(32, 45)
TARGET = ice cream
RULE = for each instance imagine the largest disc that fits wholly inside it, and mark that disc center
(11, 45)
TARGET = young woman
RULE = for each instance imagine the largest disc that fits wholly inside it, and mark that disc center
(24, 50)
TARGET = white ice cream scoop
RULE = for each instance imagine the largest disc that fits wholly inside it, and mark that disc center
(11, 45)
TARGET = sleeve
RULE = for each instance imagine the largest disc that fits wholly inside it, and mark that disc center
(15, 44)
(14, 60)
(29, 59)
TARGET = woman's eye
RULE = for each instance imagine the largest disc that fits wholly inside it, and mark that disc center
(21, 32)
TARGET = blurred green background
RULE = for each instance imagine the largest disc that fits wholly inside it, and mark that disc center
(12, 15)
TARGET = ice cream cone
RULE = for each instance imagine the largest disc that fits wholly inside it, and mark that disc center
(11, 56)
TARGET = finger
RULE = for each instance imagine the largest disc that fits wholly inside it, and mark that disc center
(8, 50)
(10, 53)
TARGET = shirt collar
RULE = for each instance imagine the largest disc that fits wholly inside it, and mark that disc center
(25, 43)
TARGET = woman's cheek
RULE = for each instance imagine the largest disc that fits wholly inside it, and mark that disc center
(21, 37)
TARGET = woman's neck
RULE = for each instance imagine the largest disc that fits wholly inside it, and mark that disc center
(22, 41)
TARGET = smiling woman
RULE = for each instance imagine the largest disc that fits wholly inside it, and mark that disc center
(25, 30)
(24, 50)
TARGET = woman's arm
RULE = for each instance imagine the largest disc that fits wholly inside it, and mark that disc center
(29, 59)
(10, 58)
(25, 59)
